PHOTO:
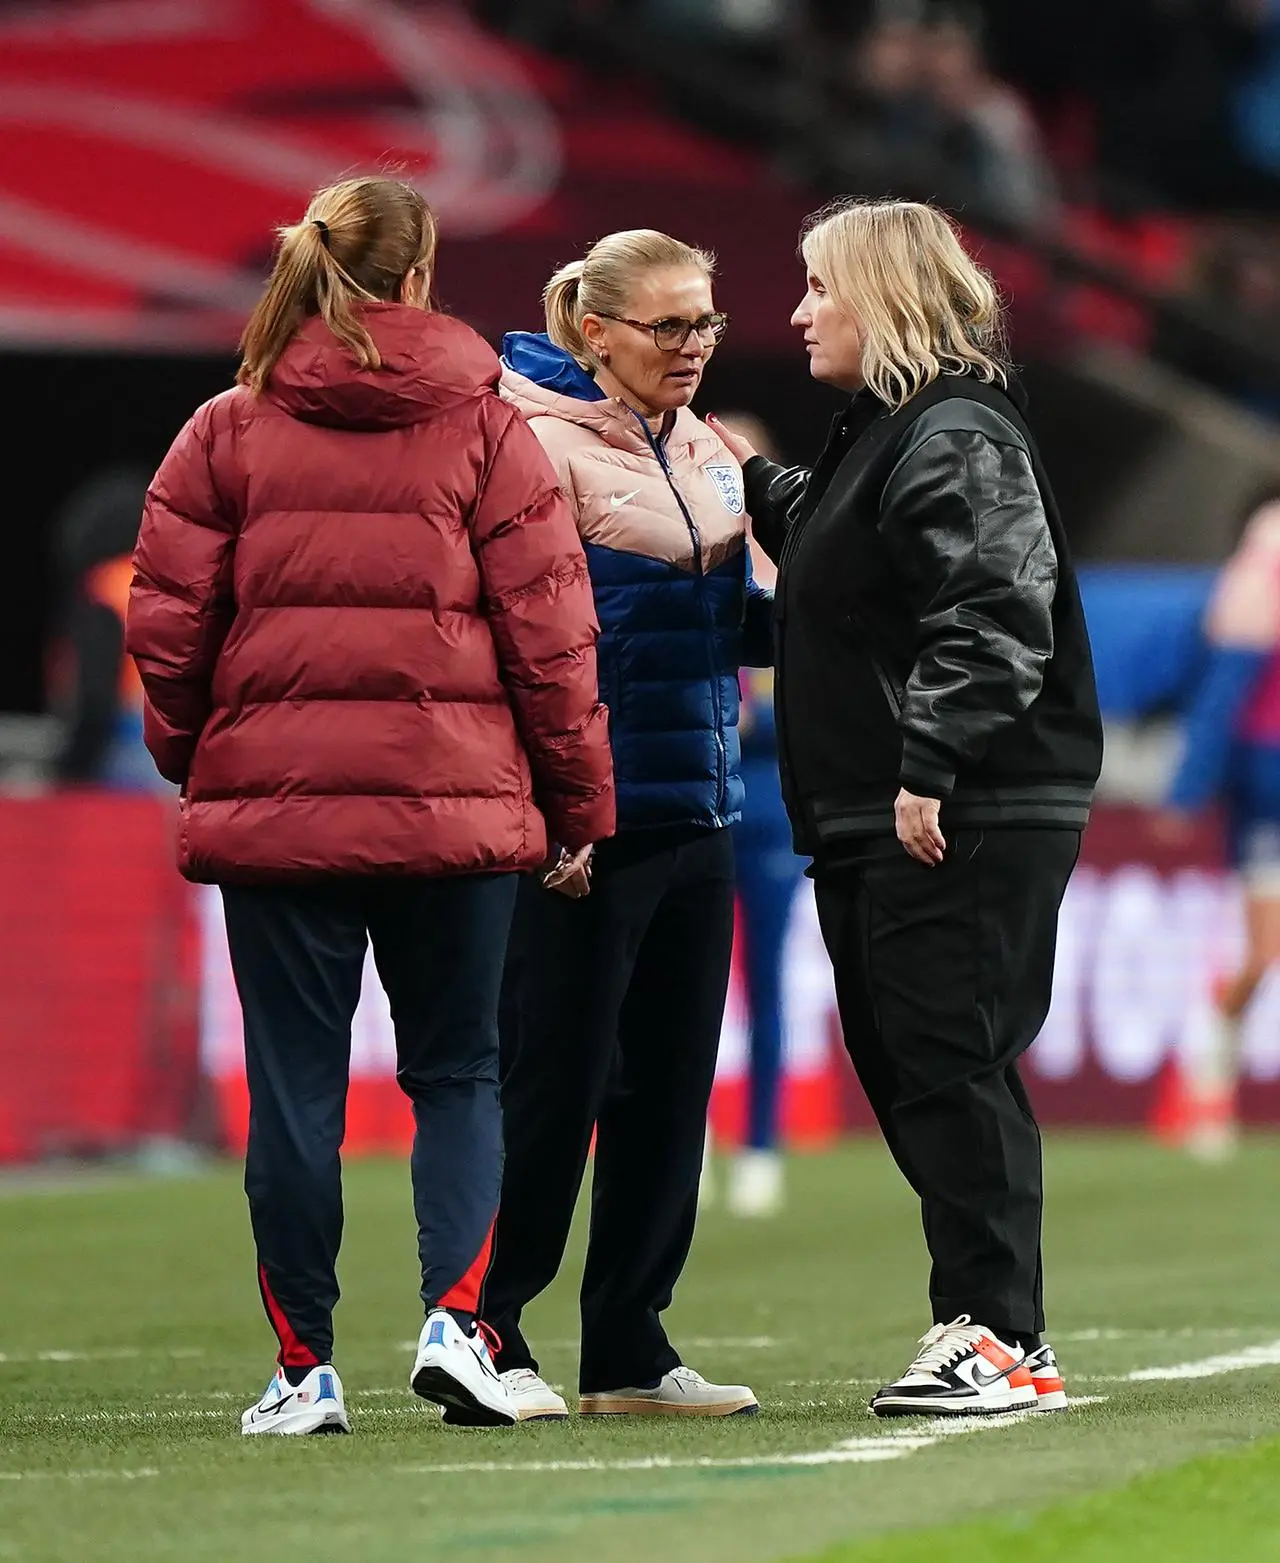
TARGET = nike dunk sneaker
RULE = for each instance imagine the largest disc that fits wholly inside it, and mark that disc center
(1051, 1391)
(456, 1371)
(314, 1406)
(960, 1370)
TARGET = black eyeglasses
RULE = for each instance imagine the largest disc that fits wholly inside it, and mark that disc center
(670, 334)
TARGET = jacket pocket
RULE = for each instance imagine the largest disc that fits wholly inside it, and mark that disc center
(894, 691)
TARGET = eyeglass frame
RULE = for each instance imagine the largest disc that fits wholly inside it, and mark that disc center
(717, 336)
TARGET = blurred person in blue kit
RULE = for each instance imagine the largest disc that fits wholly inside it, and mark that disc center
(769, 874)
(939, 742)
(94, 685)
(1231, 757)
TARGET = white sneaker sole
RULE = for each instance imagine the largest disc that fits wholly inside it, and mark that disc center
(618, 1405)
(1055, 1400)
(297, 1426)
(483, 1403)
(942, 1405)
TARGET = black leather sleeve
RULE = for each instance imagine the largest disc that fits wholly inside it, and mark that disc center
(963, 517)
(757, 627)
(773, 497)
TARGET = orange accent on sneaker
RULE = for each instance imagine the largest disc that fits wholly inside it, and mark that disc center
(1048, 1386)
(995, 1353)
(1020, 1378)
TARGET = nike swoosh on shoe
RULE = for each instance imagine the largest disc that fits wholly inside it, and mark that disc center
(278, 1406)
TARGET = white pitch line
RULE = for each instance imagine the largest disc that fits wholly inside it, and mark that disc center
(78, 1476)
(893, 1445)
(852, 1451)
(839, 1456)
(1264, 1356)
(1190, 1332)
(185, 1414)
(108, 1354)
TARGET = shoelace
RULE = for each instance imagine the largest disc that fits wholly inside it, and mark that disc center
(490, 1336)
(945, 1344)
(687, 1376)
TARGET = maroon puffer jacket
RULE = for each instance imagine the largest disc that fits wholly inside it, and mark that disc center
(363, 621)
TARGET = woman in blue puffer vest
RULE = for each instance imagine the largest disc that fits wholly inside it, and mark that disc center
(614, 1000)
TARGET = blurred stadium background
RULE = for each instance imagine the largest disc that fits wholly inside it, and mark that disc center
(1116, 161)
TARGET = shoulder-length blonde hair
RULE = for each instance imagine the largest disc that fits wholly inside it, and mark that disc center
(923, 306)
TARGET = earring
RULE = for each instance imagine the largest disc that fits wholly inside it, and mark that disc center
(603, 356)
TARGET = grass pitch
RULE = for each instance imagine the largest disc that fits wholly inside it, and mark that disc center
(130, 1340)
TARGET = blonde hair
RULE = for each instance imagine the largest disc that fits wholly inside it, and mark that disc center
(923, 306)
(599, 283)
(356, 243)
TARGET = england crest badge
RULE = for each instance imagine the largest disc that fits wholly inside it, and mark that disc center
(728, 481)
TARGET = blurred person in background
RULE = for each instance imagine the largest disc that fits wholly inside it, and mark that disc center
(1256, 98)
(95, 686)
(1231, 757)
(1244, 278)
(990, 143)
(729, 21)
(614, 1000)
(364, 627)
(769, 874)
(917, 109)
(1236, 273)
(882, 128)
(939, 741)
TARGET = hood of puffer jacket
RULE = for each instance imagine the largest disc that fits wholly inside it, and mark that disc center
(543, 381)
(429, 362)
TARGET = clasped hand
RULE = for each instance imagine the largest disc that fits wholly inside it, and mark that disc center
(570, 873)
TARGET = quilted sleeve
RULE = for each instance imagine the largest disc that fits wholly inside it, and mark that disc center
(180, 602)
(538, 598)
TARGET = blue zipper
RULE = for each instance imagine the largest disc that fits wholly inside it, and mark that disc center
(722, 758)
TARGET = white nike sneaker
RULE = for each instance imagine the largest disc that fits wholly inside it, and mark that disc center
(682, 1392)
(962, 1370)
(1046, 1375)
(314, 1406)
(457, 1372)
(755, 1184)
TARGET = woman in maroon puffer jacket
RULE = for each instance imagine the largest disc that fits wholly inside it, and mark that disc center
(363, 622)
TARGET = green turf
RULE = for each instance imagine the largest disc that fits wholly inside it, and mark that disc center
(1152, 1260)
(1219, 1507)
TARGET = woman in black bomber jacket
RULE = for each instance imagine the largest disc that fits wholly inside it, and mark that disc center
(939, 741)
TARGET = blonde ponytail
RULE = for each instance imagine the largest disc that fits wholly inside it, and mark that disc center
(599, 283)
(356, 245)
(564, 320)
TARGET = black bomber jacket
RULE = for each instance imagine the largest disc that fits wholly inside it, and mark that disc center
(929, 632)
